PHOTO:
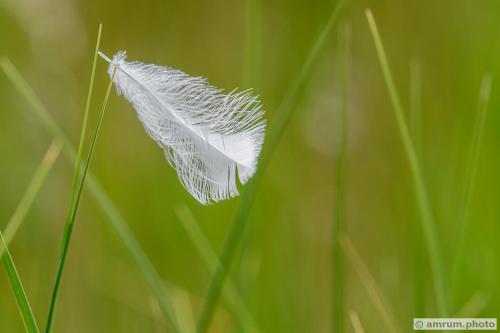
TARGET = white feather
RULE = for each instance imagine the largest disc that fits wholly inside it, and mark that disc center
(206, 135)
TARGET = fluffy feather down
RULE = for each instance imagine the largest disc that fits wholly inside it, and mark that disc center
(206, 135)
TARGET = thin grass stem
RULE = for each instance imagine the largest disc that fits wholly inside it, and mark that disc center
(17, 287)
(283, 116)
(73, 209)
(428, 223)
(209, 256)
(74, 185)
(339, 223)
(420, 268)
(31, 192)
(369, 284)
(470, 174)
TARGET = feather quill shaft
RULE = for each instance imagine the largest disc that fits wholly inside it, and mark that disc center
(209, 137)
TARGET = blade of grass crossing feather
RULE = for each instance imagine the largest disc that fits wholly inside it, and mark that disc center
(112, 213)
(276, 130)
(339, 226)
(209, 256)
(17, 287)
(428, 224)
(31, 192)
(470, 174)
(74, 184)
(369, 284)
(416, 131)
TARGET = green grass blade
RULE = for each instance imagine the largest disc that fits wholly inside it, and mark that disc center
(369, 284)
(339, 224)
(470, 174)
(17, 287)
(68, 228)
(85, 120)
(275, 132)
(96, 190)
(421, 270)
(428, 224)
(73, 209)
(31, 192)
(133, 246)
(209, 257)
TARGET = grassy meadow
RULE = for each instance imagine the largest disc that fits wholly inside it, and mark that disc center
(376, 197)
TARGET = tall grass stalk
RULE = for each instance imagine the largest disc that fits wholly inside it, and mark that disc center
(73, 209)
(470, 174)
(17, 287)
(420, 268)
(369, 284)
(339, 223)
(96, 190)
(428, 223)
(31, 192)
(282, 118)
(209, 257)
(73, 203)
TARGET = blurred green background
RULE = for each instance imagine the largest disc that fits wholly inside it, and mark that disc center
(283, 269)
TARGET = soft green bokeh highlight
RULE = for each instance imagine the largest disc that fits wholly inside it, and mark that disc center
(283, 268)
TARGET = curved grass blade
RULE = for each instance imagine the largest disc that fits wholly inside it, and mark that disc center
(369, 283)
(73, 209)
(96, 190)
(283, 116)
(339, 223)
(17, 287)
(470, 174)
(209, 256)
(31, 192)
(428, 223)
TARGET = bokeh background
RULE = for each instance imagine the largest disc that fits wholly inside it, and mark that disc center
(283, 269)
